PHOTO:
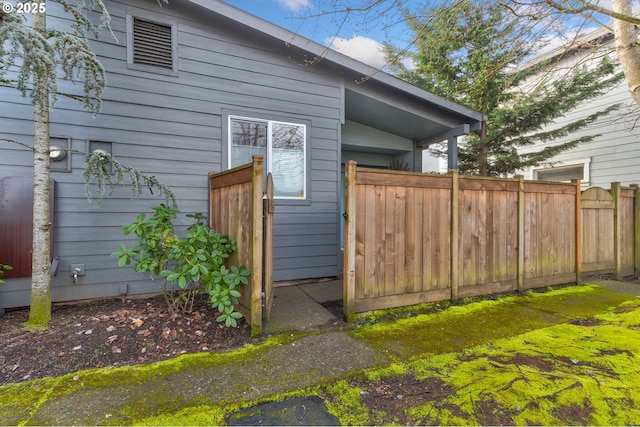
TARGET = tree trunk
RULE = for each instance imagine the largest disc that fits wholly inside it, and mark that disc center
(626, 43)
(40, 310)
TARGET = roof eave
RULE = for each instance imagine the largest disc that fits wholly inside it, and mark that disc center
(292, 39)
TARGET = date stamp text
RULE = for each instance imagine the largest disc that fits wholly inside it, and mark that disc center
(24, 7)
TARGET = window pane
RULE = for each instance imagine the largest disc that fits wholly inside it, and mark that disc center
(247, 139)
(562, 173)
(287, 159)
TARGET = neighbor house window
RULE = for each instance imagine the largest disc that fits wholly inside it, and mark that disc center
(151, 44)
(283, 146)
(565, 172)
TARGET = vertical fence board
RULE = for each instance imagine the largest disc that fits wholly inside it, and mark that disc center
(636, 229)
(617, 259)
(389, 254)
(626, 232)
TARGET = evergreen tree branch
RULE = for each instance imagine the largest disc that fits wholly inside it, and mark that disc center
(97, 171)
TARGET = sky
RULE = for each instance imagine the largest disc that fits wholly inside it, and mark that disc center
(359, 37)
(361, 41)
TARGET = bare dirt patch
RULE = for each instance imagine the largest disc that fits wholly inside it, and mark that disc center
(112, 332)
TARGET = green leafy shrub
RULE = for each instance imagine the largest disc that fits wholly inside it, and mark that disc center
(3, 268)
(184, 267)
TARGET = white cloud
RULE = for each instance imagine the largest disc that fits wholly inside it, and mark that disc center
(361, 48)
(295, 5)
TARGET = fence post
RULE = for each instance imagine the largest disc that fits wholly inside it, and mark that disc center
(578, 205)
(636, 229)
(455, 238)
(256, 245)
(520, 232)
(349, 262)
(617, 241)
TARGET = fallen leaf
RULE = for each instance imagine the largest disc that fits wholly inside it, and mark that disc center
(111, 339)
(78, 347)
(111, 328)
(138, 322)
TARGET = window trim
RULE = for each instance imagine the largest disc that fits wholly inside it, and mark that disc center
(584, 162)
(161, 20)
(268, 164)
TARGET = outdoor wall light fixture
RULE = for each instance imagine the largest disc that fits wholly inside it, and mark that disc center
(56, 153)
(104, 154)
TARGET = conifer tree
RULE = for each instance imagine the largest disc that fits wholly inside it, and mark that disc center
(474, 53)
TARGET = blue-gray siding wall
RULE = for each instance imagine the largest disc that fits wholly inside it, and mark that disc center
(172, 127)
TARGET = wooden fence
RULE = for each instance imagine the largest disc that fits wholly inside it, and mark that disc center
(236, 209)
(413, 238)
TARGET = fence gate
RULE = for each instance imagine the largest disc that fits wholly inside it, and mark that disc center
(598, 209)
(237, 209)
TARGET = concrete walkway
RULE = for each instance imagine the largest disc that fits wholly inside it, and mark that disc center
(299, 307)
(292, 362)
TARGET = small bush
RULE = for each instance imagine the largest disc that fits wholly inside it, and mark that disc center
(184, 267)
(3, 268)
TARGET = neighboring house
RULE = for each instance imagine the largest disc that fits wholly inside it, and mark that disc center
(199, 86)
(614, 156)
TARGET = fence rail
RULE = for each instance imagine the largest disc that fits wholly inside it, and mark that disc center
(412, 238)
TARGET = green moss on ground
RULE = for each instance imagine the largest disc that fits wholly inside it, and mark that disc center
(24, 398)
(585, 373)
(465, 326)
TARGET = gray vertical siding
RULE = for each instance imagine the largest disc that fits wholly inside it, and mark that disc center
(172, 127)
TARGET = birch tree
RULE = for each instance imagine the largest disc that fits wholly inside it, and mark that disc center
(626, 43)
(40, 312)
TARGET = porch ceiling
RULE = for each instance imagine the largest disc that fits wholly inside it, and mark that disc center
(393, 119)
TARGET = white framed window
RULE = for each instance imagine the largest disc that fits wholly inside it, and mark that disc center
(152, 44)
(565, 171)
(283, 146)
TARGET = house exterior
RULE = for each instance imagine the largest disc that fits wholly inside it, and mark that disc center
(198, 86)
(614, 156)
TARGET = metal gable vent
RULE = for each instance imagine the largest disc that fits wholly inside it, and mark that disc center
(152, 44)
